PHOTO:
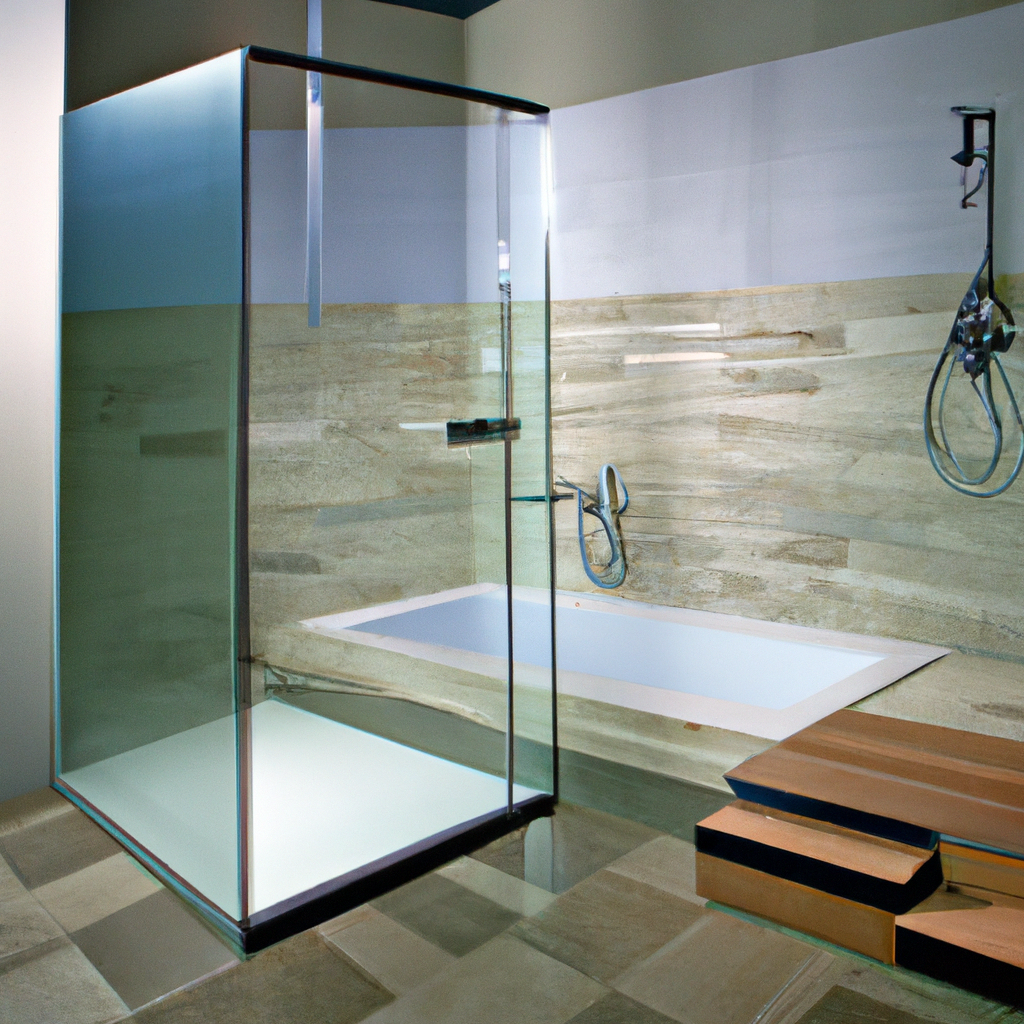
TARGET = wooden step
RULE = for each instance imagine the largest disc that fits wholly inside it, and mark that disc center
(893, 778)
(856, 926)
(983, 869)
(969, 937)
(863, 868)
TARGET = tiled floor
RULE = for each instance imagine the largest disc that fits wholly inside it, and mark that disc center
(588, 918)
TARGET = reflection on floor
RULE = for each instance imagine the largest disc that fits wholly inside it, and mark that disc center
(589, 918)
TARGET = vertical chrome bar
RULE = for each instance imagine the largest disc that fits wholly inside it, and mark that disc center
(314, 164)
(504, 203)
(503, 165)
(243, 661)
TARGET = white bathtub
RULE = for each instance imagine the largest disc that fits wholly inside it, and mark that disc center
(762, 678)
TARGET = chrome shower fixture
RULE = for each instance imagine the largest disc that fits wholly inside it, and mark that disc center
(982, 329)
(606, 508)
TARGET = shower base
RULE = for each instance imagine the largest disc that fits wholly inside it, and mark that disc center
(174, 802)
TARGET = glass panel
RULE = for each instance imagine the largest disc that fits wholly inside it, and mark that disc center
(376, 728)
(531, 471)
(151, 332)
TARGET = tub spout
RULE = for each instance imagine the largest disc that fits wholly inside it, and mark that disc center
(611, 501)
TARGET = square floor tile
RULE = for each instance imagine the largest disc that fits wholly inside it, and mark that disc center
(97, 891)
(615, 1008)
(511, 893)
(10, 886)
(842, 1006)
(302, 980)
(666, 863)
(913, 994)
(606, 924)
(58, 985)
(152, 947)
(389, 952)
(502, 982)
(55, 847)
(720, 971)
(24, 924)
(582, 842)
(445, 913)
(31, 808)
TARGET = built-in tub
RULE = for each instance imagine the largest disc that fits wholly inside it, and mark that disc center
(766, 679)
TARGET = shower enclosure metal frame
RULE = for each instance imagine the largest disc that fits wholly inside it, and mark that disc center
(254, 930)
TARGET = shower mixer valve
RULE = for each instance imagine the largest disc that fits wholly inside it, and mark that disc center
(606, 507)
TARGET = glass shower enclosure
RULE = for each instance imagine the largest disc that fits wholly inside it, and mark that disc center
(303, 390)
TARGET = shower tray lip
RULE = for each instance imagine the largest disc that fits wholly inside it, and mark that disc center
(895, 659)
(336, 895)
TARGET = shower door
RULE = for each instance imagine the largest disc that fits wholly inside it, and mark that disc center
(397, 474)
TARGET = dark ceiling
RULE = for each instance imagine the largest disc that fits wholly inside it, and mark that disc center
(453, 8)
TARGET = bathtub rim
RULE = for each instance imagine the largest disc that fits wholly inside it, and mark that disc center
(898, 658)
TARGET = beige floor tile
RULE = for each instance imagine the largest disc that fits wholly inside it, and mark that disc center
(96, 892)
(10, 887)
(32, 808)
(24, 924)
(512, 893)
(398, 959)
(667, 863)
(61, 987)
(720, 971)
(501, 982)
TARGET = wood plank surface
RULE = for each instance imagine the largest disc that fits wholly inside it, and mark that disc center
(858, 927)
(994, 931)
(964, 785)
(967, 865)
(869, 855)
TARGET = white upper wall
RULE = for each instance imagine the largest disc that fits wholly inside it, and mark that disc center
(824, 167)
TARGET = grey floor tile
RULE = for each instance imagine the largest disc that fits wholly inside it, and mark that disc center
(56, 985)
(666, 863)
(583, 841)
(388, 952)
(502, 982)
(56, 846)
(720, 971)
(616, 1008)
(151, 948)
(607, 923)
(303, 980)
(842, 1006)
(445, 913)
(913, 994)
(24, 924)
(80, 899)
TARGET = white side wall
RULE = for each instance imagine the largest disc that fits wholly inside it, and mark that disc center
(31, 99)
